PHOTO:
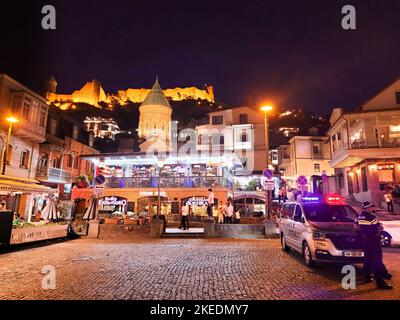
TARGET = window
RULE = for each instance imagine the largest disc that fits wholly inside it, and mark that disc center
(91, 140)
(341, 180)
(364, 179)
(24, 159)
(218, 139)
(243, 118)
(53, 127)
(75, 133)
(317, 167)
(243, 137)
(204, 139)
(42, 118)
(298, 214)
(397, 97)
(350, 183)
(26, 110)
(316, 149)
(76, 163)
(216, 120)
(70, 161)
(287, 211)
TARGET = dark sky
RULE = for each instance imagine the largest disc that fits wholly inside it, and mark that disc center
(294, 53)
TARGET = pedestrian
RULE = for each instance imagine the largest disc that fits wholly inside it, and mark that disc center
(299, 197)
(237, 216)
(249, 211)
(290, 195)
(389, 201)
(221, 212)
(210, 205)
(373, 258)
(284, 194)
(185, 215)
(229, 212)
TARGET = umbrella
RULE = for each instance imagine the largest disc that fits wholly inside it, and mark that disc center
(91, 211)
(50, 211)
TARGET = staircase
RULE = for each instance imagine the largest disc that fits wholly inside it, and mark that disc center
(175, 233)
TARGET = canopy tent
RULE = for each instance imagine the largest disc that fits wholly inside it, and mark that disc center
(91, 212)
(50, 211)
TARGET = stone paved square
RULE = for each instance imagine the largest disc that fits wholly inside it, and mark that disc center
(177, 269)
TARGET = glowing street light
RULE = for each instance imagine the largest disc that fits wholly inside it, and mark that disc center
(11, 121)
(266, 109)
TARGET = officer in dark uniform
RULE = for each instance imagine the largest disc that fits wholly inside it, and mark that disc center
(373, 257)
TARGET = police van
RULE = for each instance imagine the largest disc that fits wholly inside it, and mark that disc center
(322, 229)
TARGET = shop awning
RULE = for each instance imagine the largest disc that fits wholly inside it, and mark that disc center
(16, 186)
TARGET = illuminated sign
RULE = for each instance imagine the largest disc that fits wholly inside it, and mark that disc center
(197, 201)
(152, 194)
(113, 201)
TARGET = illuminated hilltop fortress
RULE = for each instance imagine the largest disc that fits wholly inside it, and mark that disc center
(93, 93)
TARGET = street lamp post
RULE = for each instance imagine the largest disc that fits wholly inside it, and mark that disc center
(267, 109)
(11, 121)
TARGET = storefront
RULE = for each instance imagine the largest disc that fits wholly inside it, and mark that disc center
(23, 196)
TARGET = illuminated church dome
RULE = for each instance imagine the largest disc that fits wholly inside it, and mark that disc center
(155, 116)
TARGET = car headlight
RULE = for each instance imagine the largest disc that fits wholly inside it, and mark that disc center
(319, 235)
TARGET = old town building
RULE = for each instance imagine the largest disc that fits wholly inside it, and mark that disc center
(365, 146)
(29, 111)
(306, 156)
(59, 164)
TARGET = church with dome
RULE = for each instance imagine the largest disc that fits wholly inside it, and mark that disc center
(155, 121)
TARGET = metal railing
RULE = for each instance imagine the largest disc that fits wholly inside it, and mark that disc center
(167, 182)
(53, 174)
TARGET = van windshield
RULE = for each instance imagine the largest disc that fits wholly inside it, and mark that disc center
(330, 213)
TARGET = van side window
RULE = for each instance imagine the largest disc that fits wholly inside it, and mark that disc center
(290, 210)
(298, 214)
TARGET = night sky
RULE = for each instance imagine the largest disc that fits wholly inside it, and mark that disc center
(293, 53)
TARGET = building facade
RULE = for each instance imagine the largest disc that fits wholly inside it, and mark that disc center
(18, 186)
(60, 164)
(308, 156)
(365, 146)
(239, 130)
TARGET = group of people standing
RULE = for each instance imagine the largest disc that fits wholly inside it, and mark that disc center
(227, 214)
(290, 194)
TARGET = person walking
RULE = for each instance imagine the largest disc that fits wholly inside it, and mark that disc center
(221, 213)
(210, 205)
(373, 257)
(389, 201)
(229, 212)
(185, 217)
(237, 216)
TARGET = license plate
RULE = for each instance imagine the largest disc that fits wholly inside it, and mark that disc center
(358, 254)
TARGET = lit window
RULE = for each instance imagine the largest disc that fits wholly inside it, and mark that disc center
(24, 159)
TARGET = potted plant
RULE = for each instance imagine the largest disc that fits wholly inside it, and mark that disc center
(81, 182)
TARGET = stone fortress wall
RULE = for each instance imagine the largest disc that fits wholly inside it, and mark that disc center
(93, 93)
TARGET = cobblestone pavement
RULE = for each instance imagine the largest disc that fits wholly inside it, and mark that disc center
(177, 269)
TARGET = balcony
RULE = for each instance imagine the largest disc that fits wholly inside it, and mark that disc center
(317, 156)
(357, 151)
(54, 175)
(30, 131)
(167, 182)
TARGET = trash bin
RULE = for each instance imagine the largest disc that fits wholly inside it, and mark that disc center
(6, 220)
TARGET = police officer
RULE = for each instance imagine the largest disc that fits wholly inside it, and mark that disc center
(373, 258)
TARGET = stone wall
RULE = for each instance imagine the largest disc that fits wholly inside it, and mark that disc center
(108, 231)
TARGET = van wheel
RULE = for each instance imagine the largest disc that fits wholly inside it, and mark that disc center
(283, 244)
(307, 256)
